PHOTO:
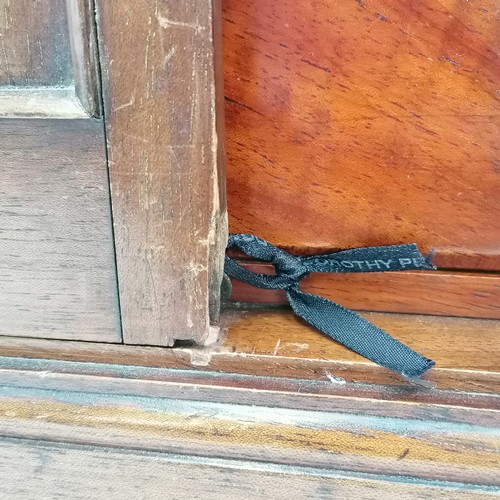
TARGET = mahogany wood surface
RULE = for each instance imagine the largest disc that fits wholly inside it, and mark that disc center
(355, 123)
(164, 129)
(282, 333)
(473, 295)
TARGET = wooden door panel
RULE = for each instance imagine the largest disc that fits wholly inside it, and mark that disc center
(57, 271)
(365, 123)
(32, 54)
(57, 276)
(162, 129)
(48, 60)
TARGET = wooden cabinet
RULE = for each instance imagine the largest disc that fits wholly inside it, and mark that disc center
(348, 124)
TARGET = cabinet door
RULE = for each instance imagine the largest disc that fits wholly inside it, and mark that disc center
(57, 270)
(159, 130)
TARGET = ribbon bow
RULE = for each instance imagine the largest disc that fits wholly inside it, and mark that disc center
(337, 322)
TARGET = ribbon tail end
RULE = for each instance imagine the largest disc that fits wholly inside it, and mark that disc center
(415, 374)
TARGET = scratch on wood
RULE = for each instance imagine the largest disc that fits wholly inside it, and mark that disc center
(333, 379)
(164, 22)
(298, 346)
(169, 55)
(197, 268)
(234, 101)
(130, 136)
(126, 105)
(8, 15)
(276, 347)
(451, 61)
(152, 278)
(28, 47)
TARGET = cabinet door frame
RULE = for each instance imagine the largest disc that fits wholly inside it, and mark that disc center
(163, 107)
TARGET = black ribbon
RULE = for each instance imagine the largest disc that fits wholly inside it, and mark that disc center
(337, 322)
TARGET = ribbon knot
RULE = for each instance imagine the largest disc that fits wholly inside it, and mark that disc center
(337, 322)
(289, 271)
(289, 268)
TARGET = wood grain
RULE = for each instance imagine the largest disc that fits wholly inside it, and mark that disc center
(34, 44)
(55, 469)
(48, 59)
(165, 151)
(57, 275)
(472, 295)
(420, 448)
(273, 349)
(282, 333)
(355, 123)
(236, 388)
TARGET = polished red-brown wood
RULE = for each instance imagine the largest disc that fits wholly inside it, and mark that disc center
(445, 293)
(370, 122)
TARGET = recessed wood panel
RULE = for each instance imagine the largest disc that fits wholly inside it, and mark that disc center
(57, 270)
(35, 44)
(48, 59)
(355, 123)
